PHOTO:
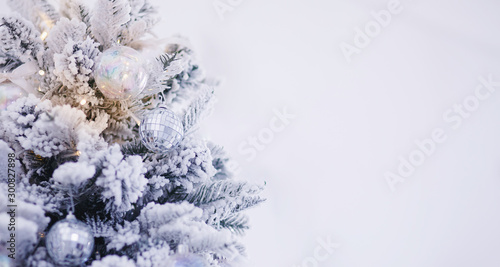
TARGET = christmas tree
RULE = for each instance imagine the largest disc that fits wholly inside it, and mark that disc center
(101, 161)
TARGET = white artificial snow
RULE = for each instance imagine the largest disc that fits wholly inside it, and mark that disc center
(122, 179)
(75, 63)
(67, 176)
(114, 261)
(64, 31)
(125, 235)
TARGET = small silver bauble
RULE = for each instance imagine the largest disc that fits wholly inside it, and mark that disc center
(120, 73)
(70, 242)
(161, 130)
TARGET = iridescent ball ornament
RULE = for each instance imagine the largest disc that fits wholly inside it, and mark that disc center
(70, 242)
(120, 73)
(161, 130)
(9, 93)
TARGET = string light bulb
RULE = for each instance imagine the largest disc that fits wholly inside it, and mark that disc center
(43, 35)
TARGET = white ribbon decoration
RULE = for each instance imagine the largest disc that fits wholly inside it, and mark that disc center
(18, 74)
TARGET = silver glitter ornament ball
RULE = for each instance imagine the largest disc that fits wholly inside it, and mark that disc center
(70, 242)
(120, 73)
(161, 130)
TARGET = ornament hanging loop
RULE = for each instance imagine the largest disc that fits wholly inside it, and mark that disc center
(71, 208)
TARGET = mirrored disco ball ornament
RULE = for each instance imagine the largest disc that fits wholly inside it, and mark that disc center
(70, 242)
(120, 73)
(9, 93)
(161, 130)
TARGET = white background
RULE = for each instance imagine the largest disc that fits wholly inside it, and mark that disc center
(325, 171)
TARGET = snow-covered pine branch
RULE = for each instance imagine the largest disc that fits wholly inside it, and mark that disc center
(74, 66)
(121, 181)
(107, 20)
(181, 224)
(65, 30)
(220, 162)
(174, 174)
(199, 109)
(40, 12)
(220, 200)
(76, 9)
(142, 19)
(236, 223)
(19, 42)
